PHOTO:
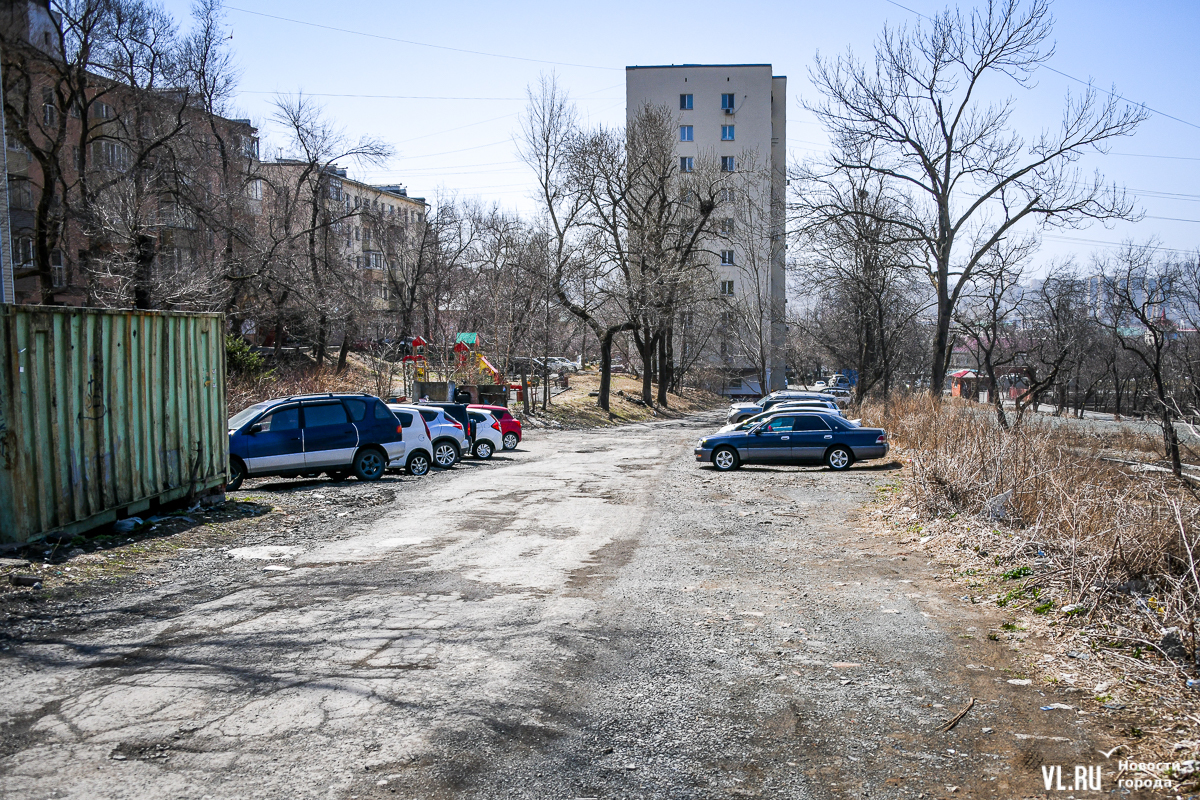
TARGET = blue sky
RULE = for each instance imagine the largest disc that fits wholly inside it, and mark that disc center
(464, 146)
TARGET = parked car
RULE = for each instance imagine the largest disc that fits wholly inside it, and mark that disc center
(457, 411)
(794, 438)
(746, 424)
(743, 411)
(510, 426)
(488, 436)
(560, 365)
(335, 434)
(417, 439)
(448, 436)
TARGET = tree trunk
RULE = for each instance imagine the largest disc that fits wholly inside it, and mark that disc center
(343, 351)
(524, 388)
(941, 340)
(322, 339)
(664, 369)
(606, 345)
(144, 275)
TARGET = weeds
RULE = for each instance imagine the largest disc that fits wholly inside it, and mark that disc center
(1115, 545)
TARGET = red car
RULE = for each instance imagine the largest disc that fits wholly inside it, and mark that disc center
(510, 426)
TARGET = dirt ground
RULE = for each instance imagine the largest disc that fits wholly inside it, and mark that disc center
(591, 615)
(576, 406)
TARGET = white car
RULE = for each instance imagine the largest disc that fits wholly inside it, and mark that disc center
(488, 437)
(447, 437)
(416, 437)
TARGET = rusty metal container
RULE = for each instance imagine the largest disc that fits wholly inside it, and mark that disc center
(105, 414)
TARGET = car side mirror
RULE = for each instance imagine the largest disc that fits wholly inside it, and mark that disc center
(255, 428)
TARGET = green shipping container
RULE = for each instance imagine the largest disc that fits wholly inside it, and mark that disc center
(105, 414)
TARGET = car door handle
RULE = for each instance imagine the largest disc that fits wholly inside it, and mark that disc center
(830, 436)
(785, 438)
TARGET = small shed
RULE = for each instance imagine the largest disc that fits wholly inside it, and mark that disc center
(965, 383)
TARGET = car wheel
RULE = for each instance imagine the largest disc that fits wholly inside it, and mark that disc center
(369, 465)
(237, 474)
(839, 458)
(338, 475)
(725, 459)
(511, 440)
(445, 455)
(418, 464)
(483, 450)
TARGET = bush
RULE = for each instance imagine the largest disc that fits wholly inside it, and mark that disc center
(241, 359)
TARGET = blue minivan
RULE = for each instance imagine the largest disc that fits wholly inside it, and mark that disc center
(305, 435)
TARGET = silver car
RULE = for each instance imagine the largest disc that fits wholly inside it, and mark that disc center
(447, 436)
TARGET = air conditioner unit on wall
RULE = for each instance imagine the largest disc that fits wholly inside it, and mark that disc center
(729, 111)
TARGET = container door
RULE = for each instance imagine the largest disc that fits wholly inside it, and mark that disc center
(330, 440)
(279, 446)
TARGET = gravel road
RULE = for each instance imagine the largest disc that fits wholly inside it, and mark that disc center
(594, 615)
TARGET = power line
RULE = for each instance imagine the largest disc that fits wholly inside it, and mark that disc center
(1088, 84)
(415, 43)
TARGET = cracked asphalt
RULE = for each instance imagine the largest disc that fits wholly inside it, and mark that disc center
(592, 616)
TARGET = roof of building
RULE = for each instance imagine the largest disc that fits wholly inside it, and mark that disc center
(677, 66)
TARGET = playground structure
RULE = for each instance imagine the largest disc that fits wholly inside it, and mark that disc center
(467, 367)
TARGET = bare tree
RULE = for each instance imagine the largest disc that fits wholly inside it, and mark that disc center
(917, 115)
(1143, 285)
(313, 147)
(857, 269)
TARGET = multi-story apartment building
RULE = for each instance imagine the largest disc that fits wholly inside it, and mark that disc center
(369, 235)
(736, 113)
(117, 188)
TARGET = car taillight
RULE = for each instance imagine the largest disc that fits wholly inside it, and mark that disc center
(456, 424)
(495, 426)
(428, 435)
(400, 429)
(882, 438)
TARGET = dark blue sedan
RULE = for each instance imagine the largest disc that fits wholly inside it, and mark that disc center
(337, 434)
(792, 438)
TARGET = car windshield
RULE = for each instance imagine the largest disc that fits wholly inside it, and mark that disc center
(242, 417)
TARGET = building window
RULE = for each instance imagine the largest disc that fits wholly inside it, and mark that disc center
(727, 258)
(255, 189)
(20, 193)
(373, 260)
(726, 226)
(726, 133)
(725, 196)
(727, 102)
(23, 250)
(58, 273)
(685, 102)
(101, 110)
(685, 133)
(335, 190)
(726, 286)
(726, 163)
(686, 163)
(383, 291)
(49, 109)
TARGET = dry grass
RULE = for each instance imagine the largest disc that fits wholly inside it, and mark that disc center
(299, 376)
(1097, 559)
(574, 408)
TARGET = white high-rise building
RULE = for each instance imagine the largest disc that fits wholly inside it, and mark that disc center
(738, 113)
